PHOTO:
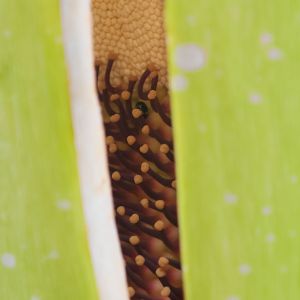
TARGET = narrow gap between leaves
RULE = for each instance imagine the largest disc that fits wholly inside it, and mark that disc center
(132, 87)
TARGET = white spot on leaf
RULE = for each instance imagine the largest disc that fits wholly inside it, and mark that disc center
(230, 198)
(255, 98)
(275, 54)
(219, 73)
(202, 127)
(266, 38)
(294, 179)
(266, 210)
(7, 34)
(53, 255)
(245, 269)
(63, 204)
(179, 83)
(270, 238)
(283, 269)
(189, 57)
(8, 260)
(292, 233)
(191, 20)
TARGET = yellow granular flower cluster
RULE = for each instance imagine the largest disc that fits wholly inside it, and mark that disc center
(134, 31)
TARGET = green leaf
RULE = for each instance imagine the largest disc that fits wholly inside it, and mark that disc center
(235, 77)
(43, 246)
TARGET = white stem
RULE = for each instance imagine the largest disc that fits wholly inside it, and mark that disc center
(90, 145)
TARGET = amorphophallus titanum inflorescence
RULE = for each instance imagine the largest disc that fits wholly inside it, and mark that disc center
(132, 86)
(237, 155)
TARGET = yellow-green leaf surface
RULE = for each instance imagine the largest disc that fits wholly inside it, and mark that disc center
(43, 248)
(236, 104)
